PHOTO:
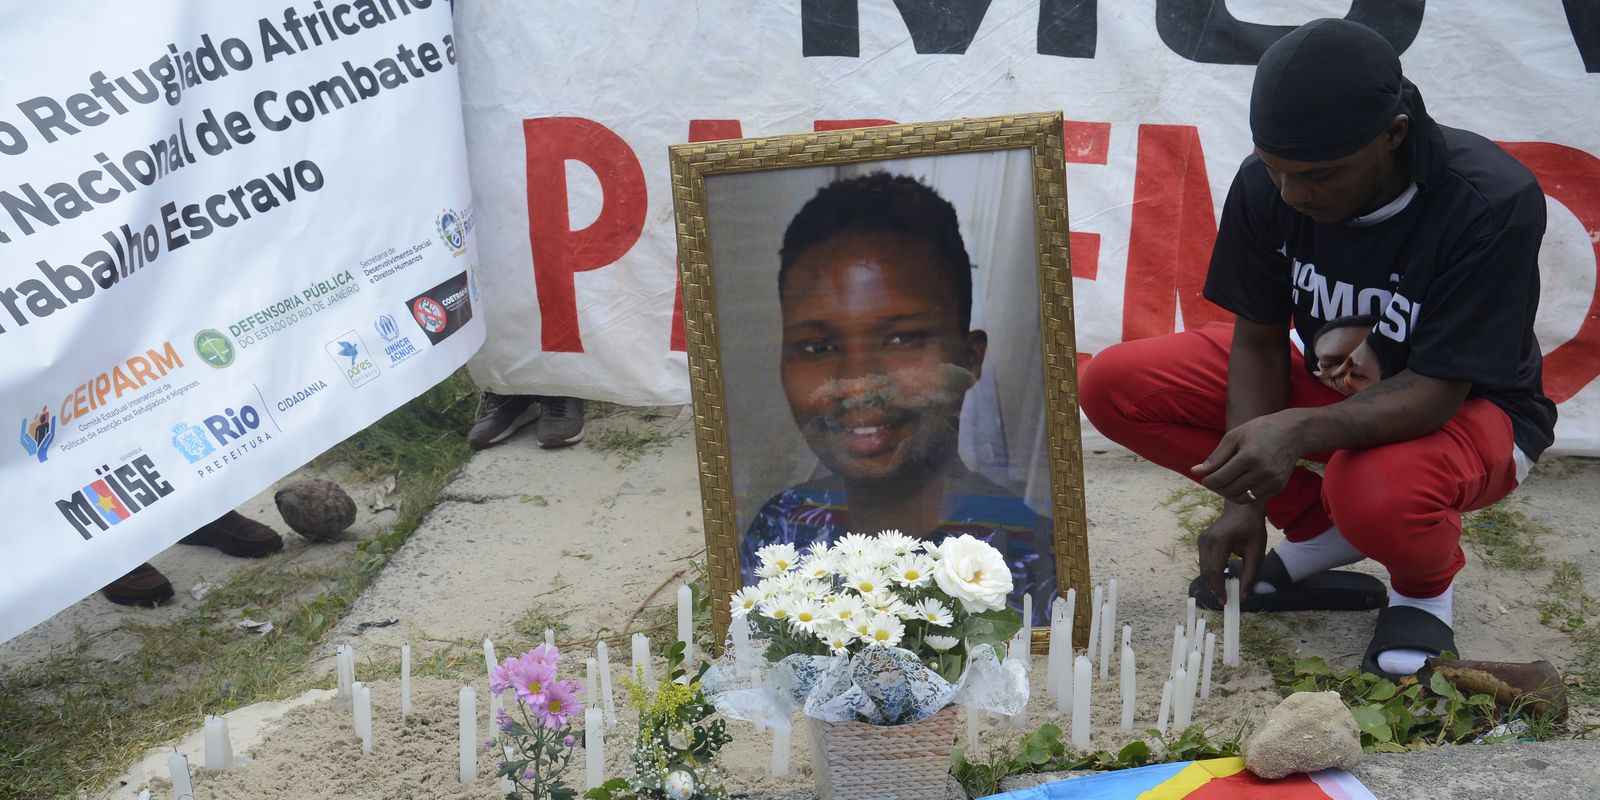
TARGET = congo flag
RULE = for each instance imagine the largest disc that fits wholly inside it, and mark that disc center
(106, 502)
(1214, 779)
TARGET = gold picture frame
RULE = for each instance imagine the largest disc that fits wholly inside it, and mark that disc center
(1039, 137)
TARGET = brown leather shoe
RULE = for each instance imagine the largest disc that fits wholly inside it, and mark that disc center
(237, 535)
(144, 586)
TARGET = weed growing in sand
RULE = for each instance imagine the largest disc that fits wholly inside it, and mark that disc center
(71, 724)
(1566, 604)
(1197, 508)
(629, 444)
(538, 619)
(1503, 536)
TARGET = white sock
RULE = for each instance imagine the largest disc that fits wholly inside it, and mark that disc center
(1320, 553)
(1406, 661)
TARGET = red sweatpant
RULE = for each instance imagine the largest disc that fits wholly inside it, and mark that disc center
(1166, 398)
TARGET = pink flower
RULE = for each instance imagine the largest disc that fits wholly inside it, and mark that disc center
(560, 702)
(502, 719)
(502, 677)
(532, 680)
(543, 654)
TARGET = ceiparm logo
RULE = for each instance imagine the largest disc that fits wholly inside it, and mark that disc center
(114, 496)
(38, 433)
(214, 348)
(350, 353)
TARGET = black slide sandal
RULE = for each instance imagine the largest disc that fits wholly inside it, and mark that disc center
(1334, 590)
(1406, 627)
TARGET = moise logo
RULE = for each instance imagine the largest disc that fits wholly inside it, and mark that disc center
(38, 432)
(350, 353)
(114, 496)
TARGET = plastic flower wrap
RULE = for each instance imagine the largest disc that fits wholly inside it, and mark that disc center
(885, 630)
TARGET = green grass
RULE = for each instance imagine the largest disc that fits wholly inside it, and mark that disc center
(71, 724)
(1503, 536)
(629, 444)
(1197, 508)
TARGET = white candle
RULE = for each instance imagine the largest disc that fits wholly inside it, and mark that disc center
(219, 750)
(363, 706)
(1094, 622)
(1027, 610)
(1056, 649)
(1129, 677)
(405, 681)
(1081, 669)
(1192, 682)
(1166, 706)
(1199, 635)
(780, 751)
(972, 730)
(686, 622)
(1180, 710)
(1110, 621)
(549, 637)
(1177, 651)
(489, 659)
(641, 659)
(467, 708)
(591, 680)
(594, 746)
(1190, 615)
(347, 673)
(504, 785)
(1106, 632)
(1127, 636)
(182, 784)
(1210, 655)
(1230, 625)
(604, 654)
(744, 657)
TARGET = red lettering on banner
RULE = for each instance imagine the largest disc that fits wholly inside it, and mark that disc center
(1572, 177)
(1171, 235)
(559, 252)
(700, 130)
(844, 124)
(1085, 143)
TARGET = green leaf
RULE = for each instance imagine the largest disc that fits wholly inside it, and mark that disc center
(1382, 691)
(1442, 687)
(1135, 754)
(992, 627)
(1312, 666)
(1369, 718)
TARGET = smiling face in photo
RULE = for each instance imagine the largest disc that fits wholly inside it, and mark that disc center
(875, 358)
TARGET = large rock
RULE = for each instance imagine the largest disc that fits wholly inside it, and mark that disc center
(1308, 731)
(316, 509)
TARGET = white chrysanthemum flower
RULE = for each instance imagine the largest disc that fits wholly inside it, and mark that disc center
(854, 545)
(746, 600)
(816, 568)
(913, 571)
(885, 629)
(780, 607)
(806, 615)
(847, 609)
(941, 643)
(887, 602)
(781, 556)
(974, 573)
(816, 590)
(934, 613)
(932, 550)
(867, 581)
(861, 625)
(818, 549)
(896, 542)
(837, 637)
(768, 571)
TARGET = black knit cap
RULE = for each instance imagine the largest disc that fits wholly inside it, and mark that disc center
(1325, 91)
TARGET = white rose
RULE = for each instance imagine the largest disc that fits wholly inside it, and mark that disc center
(679, 785)
(974, 573)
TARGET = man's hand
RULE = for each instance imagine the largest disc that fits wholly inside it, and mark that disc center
(1254, 459)
(1241, 531)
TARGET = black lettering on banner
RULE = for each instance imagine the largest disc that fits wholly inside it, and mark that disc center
(1583, 18)
(833, 27)
(1068, 28)
(1203, 31)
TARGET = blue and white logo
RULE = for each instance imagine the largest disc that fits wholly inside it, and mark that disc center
(397, 347)
(350, 353)
(191, 442)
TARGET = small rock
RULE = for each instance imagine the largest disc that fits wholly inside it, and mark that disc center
(316, 509)
(1308, 731)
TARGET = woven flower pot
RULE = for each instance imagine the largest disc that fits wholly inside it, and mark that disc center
(857, 761)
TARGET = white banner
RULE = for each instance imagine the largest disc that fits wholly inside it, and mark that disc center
(233, 235)
(570, 108)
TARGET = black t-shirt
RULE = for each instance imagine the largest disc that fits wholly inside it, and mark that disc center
(1453, 277)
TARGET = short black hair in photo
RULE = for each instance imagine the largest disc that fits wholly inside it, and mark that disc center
(884, 202)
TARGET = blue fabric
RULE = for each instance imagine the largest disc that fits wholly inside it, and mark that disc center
(1124, 784)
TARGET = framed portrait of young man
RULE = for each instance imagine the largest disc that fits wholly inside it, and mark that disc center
(880, 337)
